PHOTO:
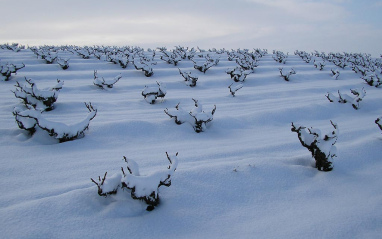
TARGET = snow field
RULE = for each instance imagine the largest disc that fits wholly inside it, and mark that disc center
(246, 176)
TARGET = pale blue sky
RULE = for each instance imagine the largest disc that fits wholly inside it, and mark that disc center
(288, 25)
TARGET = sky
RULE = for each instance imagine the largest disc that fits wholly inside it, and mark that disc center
(286, 25)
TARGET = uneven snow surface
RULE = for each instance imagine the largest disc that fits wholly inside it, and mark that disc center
(245, 176)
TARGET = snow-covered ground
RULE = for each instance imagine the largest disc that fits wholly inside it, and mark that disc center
(245, 176)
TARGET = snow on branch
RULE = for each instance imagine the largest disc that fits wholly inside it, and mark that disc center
(361, 69)
(29, 118)
(335, 73)
(152, 93)
(286, 75)
(247, 61)
(234, 87)
(209, 62)
(26, 123)
(63, 62)
(369, 67)
(121, 58)
(231, 55)
(41, 100)
(359, 94)
(197, 117)
(319, 64)
(190, 80)
(304, 56)
(49, 57)
(46, 53)
(169, 57)
(378, 121)
(261, 52)
(13, 47)
(201, 118)
(340, 62)
(6, 69)
(102, 83)
(83, 52)
(141, 187)
(184, 52)
(143, 63)
(373, 79)
(238, 74)
(321, 147)
(179, 114)
(280, 56)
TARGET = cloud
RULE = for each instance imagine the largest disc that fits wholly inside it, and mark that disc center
(159, 29)
(272, 24)
(378, 4)
(314, 11)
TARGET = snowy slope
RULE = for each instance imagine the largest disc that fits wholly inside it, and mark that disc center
(246, 176)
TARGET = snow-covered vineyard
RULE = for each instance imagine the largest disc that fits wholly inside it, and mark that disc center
(114, 142)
